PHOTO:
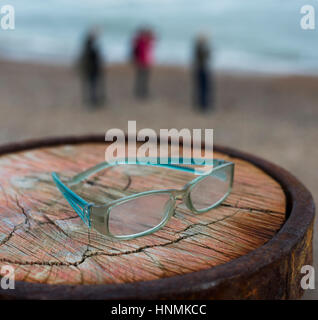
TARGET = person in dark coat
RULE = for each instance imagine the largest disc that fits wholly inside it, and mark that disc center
(91, 69)
(202, 74)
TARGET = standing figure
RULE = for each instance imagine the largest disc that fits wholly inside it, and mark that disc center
(201, 73)
(91, 69)
(142, 48)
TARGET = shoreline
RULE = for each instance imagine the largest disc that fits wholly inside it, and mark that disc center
(171, 66)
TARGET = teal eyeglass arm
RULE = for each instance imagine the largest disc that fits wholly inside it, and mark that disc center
(171, 164)
(89, 172)
(80, 206)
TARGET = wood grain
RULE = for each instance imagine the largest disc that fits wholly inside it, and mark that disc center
(44, 239)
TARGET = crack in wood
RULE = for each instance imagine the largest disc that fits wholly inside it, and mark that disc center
(85, 255)
(9, 236)
(259, 210)
(24, 212)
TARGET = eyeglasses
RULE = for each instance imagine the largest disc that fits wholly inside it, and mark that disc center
(146, 212)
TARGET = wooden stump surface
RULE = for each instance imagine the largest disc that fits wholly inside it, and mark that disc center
(46, 242)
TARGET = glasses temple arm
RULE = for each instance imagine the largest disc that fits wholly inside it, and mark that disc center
(80, 206)
(172, 164)
(89, 172)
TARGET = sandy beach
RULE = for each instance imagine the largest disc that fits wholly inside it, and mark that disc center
(274, 117)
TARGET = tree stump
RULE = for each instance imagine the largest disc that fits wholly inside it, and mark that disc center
(251, 246)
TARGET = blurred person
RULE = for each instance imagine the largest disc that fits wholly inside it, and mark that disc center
(91, 70)
(202, 74)
(142, 56)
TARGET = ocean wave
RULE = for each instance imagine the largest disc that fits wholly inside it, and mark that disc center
(249, 35)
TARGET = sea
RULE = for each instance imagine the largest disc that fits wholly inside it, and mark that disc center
(245, 35)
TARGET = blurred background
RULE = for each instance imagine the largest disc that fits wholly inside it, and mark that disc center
(245, 68)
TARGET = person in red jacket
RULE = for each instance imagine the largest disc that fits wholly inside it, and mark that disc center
(143, 59)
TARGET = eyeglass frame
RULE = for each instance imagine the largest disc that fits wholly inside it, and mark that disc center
(97, 216)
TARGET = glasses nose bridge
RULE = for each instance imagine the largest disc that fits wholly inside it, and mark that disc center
(179, 194)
